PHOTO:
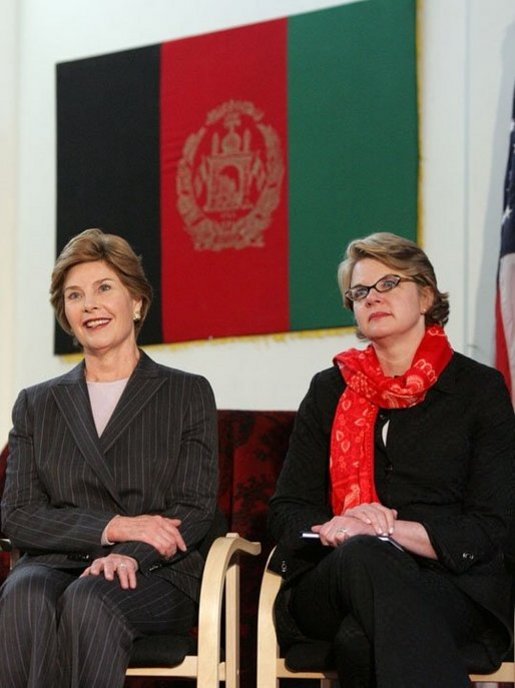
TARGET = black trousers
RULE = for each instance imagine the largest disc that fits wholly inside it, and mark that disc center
(58, 630)
(394, 623)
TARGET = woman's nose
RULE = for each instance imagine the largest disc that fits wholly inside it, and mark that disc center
(373, 296)
(89, 304)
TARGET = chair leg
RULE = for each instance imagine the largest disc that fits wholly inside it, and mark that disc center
(232, 616)
(266, 672)
(267, 647)
(221, 571)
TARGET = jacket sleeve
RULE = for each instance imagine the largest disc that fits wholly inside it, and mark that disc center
(479, 532)
(301, 497)
(28, 518)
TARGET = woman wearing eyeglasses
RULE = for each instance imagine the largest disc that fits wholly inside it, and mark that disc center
(401, 467)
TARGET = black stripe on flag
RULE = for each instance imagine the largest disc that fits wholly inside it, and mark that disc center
(108, 171)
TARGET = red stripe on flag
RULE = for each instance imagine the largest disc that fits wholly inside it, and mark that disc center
(502, 362)
(224, 221)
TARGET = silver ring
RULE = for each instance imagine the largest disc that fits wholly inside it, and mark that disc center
(342, 530)
(122, 566)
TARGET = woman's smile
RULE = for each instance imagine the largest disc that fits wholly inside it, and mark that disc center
(99, 308)
(93, 324)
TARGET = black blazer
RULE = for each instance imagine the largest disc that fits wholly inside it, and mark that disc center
(450, 466)
(157, 455)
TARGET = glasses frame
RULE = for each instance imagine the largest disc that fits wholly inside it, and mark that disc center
(398, 280)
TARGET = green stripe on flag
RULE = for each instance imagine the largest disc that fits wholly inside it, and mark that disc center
(353, 143)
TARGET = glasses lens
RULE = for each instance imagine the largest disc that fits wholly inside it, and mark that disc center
(388, 283)
(357, 293)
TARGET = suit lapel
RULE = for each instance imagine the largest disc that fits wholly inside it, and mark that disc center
(71, 396)
(401, 429)
(141, 387)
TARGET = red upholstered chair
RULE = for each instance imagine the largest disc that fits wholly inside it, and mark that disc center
(252, 447)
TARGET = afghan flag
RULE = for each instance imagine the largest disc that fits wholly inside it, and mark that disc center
(240, 163)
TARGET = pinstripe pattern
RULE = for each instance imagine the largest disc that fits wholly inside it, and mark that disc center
(98, 621)
(156, 455)
(18, 666)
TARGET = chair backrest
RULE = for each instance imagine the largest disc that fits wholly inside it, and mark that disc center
(252, 447)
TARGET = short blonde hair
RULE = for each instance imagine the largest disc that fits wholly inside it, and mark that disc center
(398, 253)
(92, 245)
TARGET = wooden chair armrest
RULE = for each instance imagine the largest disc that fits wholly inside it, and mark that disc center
(268, 649)
(221, 571)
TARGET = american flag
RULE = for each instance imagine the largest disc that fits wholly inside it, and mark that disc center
(505, 301)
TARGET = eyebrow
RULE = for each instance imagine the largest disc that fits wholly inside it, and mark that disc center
(360, 284)
(96, 282)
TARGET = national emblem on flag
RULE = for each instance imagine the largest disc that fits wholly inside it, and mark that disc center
(229, 178)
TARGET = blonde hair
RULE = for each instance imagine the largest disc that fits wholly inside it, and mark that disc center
(92, 245)
(401, 254)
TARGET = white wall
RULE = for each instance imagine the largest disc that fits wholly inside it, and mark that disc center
(8, 177)
(491, 80)
(466, 53)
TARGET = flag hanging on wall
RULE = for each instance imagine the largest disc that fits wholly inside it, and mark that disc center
(505, 301)
(240, 163)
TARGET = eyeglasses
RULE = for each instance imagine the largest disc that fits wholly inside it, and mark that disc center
(386, 283)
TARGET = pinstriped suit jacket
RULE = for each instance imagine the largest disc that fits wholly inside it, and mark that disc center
(157, 455)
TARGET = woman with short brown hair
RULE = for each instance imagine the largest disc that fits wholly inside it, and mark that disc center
(111, 486)
(401, 464)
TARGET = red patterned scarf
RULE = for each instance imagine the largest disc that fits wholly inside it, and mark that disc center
(367, 390)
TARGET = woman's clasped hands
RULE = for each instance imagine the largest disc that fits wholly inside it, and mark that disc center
(160, 532)
(365, 519)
